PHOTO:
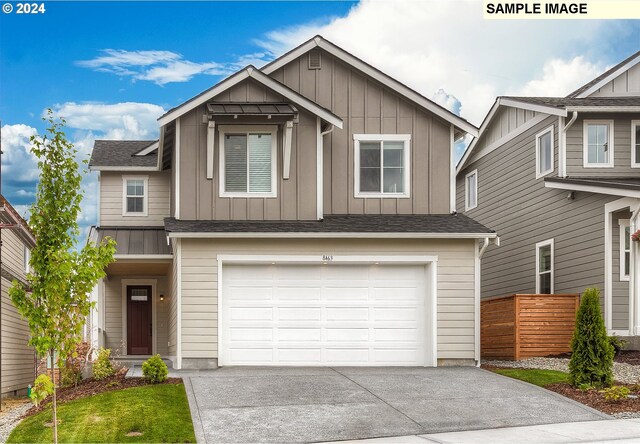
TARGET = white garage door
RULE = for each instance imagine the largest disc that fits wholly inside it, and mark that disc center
(333, 314)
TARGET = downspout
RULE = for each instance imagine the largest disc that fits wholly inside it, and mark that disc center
(633, 278)
(476, 297)
(320, 169)
(563, 145)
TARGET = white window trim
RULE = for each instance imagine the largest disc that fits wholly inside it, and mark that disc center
(539, 173)
(406, 138)
(467, 207)
(538, 272)
(624, 223)
(635, 163)
(271, 129)
(145, 196)
(27, 259)
(585, 144)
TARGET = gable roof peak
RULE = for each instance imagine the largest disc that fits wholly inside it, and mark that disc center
(604, 78)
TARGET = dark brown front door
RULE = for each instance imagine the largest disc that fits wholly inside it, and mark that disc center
(139, 320)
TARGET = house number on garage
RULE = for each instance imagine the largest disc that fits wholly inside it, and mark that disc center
(327, 258)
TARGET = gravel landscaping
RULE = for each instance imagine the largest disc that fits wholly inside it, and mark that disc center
(622, 372)
(11, 416)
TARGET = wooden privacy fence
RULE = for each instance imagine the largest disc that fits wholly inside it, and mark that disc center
(527, 325)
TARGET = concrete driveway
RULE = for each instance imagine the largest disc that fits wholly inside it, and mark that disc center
(246, 404)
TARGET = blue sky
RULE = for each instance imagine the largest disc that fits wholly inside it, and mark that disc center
(111, 68)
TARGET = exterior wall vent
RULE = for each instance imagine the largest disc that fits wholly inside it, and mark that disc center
(315, 62)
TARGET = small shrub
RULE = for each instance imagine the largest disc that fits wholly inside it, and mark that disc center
(617, 344)
(585, 387)
(615, 393)
(635, 387)
(102, 367)
(69, 375)
(42, 387)
(113, 384)
(155, 370)
(592, 353)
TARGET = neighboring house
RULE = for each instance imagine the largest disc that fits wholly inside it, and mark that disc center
(559, 179)
(298, 214)
(17, 362)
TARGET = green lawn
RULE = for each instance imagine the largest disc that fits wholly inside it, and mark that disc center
(540, 378)
(159, 412)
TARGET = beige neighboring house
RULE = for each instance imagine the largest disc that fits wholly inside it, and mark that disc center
(559, 179)
(298, 214)
(17, 359)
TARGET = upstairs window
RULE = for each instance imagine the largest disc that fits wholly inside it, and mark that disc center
(248, 161)
(598, 144)
(544, 267)
(625, 249)
(544, 152)
(134, 202)
(471, 190)
(635, 144)
(382, 165)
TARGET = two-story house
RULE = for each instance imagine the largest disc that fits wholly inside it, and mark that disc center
(559, 179)
(17, 359)
(298, 214)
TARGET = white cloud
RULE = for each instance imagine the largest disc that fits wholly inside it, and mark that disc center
(19, 165)
(164, 67)
(444, 48)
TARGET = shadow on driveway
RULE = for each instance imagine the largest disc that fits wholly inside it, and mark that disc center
(248, 404)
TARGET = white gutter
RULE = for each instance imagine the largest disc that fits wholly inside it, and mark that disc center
(329, 235)
(483, 248)
(562, 155)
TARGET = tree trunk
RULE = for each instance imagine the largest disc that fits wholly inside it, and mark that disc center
(55, 405)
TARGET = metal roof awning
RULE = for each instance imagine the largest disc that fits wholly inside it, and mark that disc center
(149, 242)
(251, 109)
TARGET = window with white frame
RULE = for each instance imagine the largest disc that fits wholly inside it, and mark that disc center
(635, 143)
(544, 267)
(134, 201)
(625, 249)
(598, 144)
(471, 190)
(544, 152)
(248, 163)
(382, 164)
(27, 259)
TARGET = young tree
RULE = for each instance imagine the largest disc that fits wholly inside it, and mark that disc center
(592, 354)
(61, 278)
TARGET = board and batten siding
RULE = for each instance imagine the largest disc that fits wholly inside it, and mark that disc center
(455, 284)
(523, 212)
(366, 106)
(112, 197)
(17, 359)
(506, 120)
(621, 146)
(114, 316)
(626, 84)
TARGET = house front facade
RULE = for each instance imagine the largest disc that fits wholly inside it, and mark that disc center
(559, 179)
(17, 359)
(298, 214)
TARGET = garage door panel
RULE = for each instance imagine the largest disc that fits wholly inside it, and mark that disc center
(335, 314)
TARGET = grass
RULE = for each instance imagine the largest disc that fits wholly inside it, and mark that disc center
(541, 378)
(158, 413)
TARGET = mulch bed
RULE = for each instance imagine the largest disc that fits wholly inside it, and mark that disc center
(628, 357)
(594, 399)
(90, 387)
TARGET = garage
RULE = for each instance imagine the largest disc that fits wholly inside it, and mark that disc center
(326, 313)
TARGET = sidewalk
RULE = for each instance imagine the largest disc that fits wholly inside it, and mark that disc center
(616, 430)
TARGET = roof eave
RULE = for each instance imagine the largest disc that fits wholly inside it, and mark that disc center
(361, 235)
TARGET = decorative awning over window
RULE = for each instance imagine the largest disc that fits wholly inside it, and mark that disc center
(251, 109)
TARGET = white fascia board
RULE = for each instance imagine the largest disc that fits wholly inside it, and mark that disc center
(138, 257)
(123, 168)
(534, 107)
(254, 235)
(605, 109)
(267, 81)
(633, 62)
(593, 189)
(369, 70)
(151, 148)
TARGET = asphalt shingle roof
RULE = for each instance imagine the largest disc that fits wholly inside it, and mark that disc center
(122, 153)
(561, 102)
(431, 223)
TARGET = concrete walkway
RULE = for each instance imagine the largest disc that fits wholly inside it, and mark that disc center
(611, 431)
(249, 404)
